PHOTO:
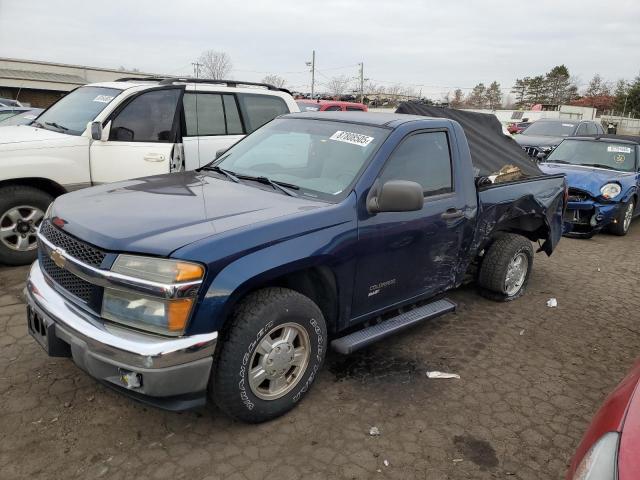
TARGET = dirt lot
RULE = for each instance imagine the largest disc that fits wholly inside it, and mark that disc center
(532, 377)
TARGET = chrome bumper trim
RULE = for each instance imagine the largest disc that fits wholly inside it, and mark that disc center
(106, 278)
(120, 345)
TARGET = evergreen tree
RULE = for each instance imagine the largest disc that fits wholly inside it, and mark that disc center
(493, 96)
(477, 98)
(520, 89)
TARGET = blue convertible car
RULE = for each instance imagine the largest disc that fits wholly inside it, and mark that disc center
(603, 174)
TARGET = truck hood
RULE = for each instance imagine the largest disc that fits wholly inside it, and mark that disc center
(27, 133)
(156, 215)
(537, 140)
(589, 179)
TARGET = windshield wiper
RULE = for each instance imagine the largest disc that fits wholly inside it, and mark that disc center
(227, 173)
(546, 160)
(282, 186)
(57, 125)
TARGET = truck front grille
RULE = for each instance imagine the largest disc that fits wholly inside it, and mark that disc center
(85, 253)
(532, 151)
(78, 289)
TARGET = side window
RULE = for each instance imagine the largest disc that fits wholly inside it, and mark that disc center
(582, 129)
(354, 109)
(147, 118)
(422, 158)
(333, 108)
(205, 115)
(260, 109)
(592, 129)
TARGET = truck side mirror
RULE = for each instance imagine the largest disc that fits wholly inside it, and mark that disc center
(395, 196)
(96, 130)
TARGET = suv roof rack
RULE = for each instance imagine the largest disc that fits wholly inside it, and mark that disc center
(228, 83)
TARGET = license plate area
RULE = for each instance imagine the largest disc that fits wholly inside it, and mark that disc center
(42, 329)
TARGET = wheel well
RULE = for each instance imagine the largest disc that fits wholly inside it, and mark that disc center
(316, 283)
(529, 226)
(49, 186)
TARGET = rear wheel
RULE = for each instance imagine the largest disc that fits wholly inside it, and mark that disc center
(21, 211)
(623, 219)
(506, 268)
(270, 355)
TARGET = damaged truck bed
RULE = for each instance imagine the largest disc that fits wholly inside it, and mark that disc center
(316, 229)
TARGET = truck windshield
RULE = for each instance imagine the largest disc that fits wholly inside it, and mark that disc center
(609, 155)
(322, 159)
(72, 113)
(550, 129)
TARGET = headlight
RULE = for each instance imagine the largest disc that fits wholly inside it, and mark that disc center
(610, 190)
(159, 315)
(600, 461)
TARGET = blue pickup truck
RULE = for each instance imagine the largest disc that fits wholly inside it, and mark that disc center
(603, 174)
(317, 230)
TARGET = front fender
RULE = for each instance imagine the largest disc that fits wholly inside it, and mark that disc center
(329, 247)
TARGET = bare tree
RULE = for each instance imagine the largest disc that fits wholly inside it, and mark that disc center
(338, 85)
(216, 65)
(458, 98)
(275, 80)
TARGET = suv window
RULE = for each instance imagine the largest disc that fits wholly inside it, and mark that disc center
(582, 129)
(147, 118)
(354, 109)
(260, 109)
(592, 129)
(422, 158)
(205, 114)
(333, 108)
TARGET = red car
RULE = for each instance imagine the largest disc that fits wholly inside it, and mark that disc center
(517, 127)
(329, 105)
(610, 448)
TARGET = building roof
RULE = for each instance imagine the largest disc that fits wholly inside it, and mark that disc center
(41, 76)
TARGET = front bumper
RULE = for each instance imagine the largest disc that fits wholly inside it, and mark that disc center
(586, 218)
(172, 373)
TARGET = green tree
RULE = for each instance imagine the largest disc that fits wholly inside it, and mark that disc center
(477, 98)
(520, 89)
(537, 91)
(633, 98)
(558, 85)
(493, 96)
(620, 92)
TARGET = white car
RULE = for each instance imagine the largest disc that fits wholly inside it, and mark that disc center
(105, 132)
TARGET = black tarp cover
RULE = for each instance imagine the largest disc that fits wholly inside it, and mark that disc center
(491, 150)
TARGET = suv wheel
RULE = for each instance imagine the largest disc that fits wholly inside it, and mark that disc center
(506, 268)
(270, 355)
(21, 211)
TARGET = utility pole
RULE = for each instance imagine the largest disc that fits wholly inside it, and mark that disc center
(196, 68)
(312, 64)
(361, 82)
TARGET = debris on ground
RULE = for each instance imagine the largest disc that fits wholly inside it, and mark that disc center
(522, 332)
(456, 460)
(374, 431)
(386, 463)
(436, 374)
(552, 302)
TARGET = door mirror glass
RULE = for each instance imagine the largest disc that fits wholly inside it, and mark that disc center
(396, 196)
(96, 130)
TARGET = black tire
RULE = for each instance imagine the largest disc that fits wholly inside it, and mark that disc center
(258, 314)
(618, 228)
(10, 198)
(492, 276)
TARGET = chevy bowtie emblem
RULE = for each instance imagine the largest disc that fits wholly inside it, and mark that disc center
(58, 258)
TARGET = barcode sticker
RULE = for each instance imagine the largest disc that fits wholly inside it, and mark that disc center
(618, 149)
(352, 138)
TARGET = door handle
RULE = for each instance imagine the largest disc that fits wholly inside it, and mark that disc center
(452, 213)
(154, 157)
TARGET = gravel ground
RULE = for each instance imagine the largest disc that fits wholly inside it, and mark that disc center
(531, 378)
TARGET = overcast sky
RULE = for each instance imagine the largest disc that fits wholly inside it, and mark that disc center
(433, 45)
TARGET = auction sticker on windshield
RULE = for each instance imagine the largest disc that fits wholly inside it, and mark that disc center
(103, 98)
(618, 149)
(353, 138)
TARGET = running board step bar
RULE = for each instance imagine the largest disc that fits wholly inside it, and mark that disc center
(362, 338)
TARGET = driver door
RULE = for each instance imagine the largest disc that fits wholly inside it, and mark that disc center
(142, 137)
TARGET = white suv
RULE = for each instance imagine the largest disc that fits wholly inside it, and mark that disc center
(105, 132)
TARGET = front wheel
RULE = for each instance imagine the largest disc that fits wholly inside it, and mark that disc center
(506, 268)
(269, 356)
(21, 211)
(623, 219)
